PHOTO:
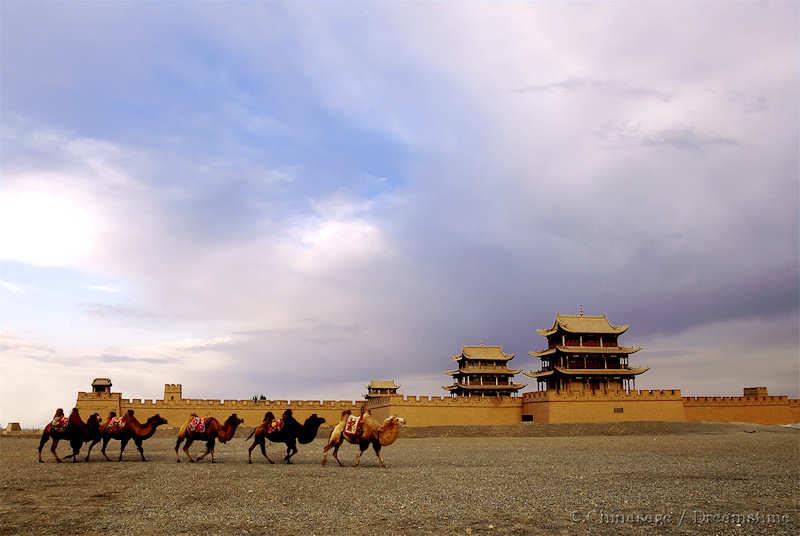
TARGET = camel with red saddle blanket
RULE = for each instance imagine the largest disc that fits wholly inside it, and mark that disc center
(287, 430)
(72, 429)
(208, 429)
(125, 428)
(363, 431)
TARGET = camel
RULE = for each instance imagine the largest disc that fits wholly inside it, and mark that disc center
(371, 432)
(132, 429)
(76, 432)
(213, 431)
(290, 434)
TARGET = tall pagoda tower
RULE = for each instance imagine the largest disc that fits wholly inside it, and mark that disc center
(583, 355)
(483, 371)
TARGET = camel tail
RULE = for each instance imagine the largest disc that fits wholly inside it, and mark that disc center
(251, 434)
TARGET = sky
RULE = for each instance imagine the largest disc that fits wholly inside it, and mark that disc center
(295, 198)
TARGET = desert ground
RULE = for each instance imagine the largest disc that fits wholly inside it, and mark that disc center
(633, 478)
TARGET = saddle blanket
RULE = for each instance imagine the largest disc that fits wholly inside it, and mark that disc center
(59, 424)
(115, 424)
(275, 426)
(352, 426)
(197, 424)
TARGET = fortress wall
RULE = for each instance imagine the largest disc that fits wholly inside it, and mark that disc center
(794, 410)
(542, 406)
(448, 411)
(101, 403)
(177, 411)
(755, 409)
(652, 405)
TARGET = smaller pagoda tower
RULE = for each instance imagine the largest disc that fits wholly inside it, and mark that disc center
(379, 388)
(483, 371)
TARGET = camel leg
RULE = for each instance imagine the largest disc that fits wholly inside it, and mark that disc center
(291, 450)
(53, 449)
(209, 450)
(376, 446)
(264, 451)
(91, 446)
(362, 446)
(177, 445)
(76, 449)
(327, 447)
(42, 441)
(123, 444)
(106, 439)
(138, 443)
(250, 452)
(336, 454)
(189, 441)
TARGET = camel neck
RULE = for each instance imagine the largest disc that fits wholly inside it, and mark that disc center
(226, 432)
(388, 433)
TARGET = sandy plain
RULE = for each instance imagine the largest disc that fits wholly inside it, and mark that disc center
(634, 478)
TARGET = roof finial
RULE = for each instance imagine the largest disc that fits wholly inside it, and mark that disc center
(580, 310)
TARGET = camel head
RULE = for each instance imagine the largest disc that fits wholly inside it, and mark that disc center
(314, 420)
(234, 420)
(156, 420)
(394, 420)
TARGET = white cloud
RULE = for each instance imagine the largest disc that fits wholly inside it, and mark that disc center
(9, 286)
(103, 288)
(44, 223)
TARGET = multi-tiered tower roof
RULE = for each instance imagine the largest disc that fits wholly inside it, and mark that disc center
(379, 388)
(583, 354)
(483, 371)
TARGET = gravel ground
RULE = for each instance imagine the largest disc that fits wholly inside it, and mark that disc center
(687, 482)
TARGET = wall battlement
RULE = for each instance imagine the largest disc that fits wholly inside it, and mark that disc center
(651, 394)
(738, 400)
(445, 401)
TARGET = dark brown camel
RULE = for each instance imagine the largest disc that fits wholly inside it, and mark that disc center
(371, 432)
(132, 429)
(213, 431)
(76, 432)
(291, 433)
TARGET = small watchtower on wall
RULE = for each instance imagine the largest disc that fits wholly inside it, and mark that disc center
(173, 391)
(379, 388)
(101, 385)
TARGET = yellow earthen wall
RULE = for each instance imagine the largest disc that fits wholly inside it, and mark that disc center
(178, 411)
(545, 406)
(657, 405)
(448, 411)
(754, 409)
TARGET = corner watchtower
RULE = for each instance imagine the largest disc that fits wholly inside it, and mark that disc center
(101, 385)
(173, 391)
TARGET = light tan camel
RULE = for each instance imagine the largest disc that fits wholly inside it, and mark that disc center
(371, 432)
